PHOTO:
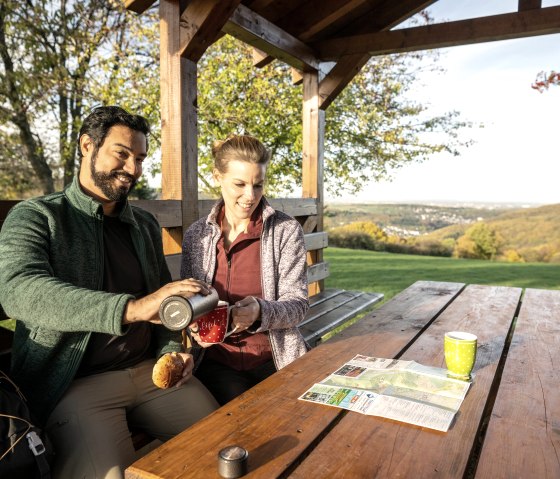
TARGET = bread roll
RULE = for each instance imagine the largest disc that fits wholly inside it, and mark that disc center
(168, 370)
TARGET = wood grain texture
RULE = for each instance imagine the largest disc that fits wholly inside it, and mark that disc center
(376, 447)
(523, 436)
(543, 21)
(269, 420)
(257, 31)
(201, 23)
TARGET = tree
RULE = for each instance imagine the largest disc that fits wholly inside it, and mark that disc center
(371, 128)
(58, 59)
(61, 57)
(479, 242)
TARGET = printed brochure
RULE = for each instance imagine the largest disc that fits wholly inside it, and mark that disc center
(401, 390)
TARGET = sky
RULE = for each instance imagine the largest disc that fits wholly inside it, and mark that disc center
(515, 156)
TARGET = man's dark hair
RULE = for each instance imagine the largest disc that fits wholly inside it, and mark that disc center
(103, 118)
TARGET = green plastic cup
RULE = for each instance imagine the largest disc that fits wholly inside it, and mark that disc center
(460, 354)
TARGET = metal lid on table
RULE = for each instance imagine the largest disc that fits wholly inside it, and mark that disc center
(232, 462)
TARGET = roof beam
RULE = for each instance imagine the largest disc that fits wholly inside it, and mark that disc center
(138, 6)
(201, 23)
(258, 32)
(387, 15)
(337, 79)
(260, 58)
(312, 18)
(464, 32)
(529, 4)
(349, 66)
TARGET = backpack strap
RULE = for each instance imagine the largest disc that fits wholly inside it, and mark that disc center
(38, 449)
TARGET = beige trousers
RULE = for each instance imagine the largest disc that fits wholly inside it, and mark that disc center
(89, 427)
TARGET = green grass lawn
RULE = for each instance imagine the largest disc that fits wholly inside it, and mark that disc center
(390, 273)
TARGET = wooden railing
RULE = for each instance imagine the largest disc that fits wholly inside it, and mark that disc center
(168, 214)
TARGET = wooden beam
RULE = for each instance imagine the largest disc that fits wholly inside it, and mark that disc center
(384, 18)
(167, 212)
(342, 74)
(138, 6)
(189, 141)
(529, 5)
(170, 96)
(386, 15)
(311, 19)
(464, 32)
(201, 23)
(260, 58)
(258, 32)
(312, 164)
(297, 77)
(312, 148)
(179, 164)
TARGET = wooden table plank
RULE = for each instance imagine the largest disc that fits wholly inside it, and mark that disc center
(269, 421)
(523, 436)
(395, 449)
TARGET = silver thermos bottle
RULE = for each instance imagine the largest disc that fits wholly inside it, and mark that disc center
(176, 312)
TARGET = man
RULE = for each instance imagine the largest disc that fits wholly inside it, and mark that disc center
(83, 273)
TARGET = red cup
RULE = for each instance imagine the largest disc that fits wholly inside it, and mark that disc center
(213, 326)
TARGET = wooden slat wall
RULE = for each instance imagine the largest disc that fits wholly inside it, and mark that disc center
(168, 212)
(313, 242)
(169, 215)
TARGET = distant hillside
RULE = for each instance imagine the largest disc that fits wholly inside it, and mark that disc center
(532, 232)
(406, 219)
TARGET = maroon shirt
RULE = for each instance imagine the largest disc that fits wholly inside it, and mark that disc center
(238, 275)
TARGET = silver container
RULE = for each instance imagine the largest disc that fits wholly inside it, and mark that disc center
(176, 312)
(232, 462)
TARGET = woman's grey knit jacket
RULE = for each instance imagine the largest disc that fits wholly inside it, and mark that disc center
(283, 276)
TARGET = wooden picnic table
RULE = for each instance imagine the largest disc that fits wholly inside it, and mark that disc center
(507, 426)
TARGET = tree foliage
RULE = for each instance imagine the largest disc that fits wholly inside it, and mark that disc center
(58, 59)
(479, 242)
(371, 128)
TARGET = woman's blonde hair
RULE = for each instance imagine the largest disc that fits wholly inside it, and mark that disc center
(241, 148)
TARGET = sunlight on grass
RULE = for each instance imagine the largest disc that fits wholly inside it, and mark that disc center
(390, 273)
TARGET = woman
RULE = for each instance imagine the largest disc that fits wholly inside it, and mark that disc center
(255, 258)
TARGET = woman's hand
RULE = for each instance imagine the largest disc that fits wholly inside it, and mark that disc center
(245, 313)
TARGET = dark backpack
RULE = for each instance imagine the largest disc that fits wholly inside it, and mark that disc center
(24, 450)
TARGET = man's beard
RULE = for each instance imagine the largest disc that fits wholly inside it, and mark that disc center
(106, 182)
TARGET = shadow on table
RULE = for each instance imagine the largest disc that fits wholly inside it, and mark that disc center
(270, 451)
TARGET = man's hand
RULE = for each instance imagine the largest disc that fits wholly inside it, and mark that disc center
(187, 369)
(147, 308)
(194, 334)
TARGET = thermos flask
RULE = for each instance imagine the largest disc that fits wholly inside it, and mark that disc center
(176, 312)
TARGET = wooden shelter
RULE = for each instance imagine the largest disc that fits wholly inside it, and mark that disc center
(326, 42)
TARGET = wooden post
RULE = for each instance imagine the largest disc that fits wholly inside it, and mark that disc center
(179, 160)
(312, 165)
(524, 5)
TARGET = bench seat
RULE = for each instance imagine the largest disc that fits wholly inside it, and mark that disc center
(331, 308)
